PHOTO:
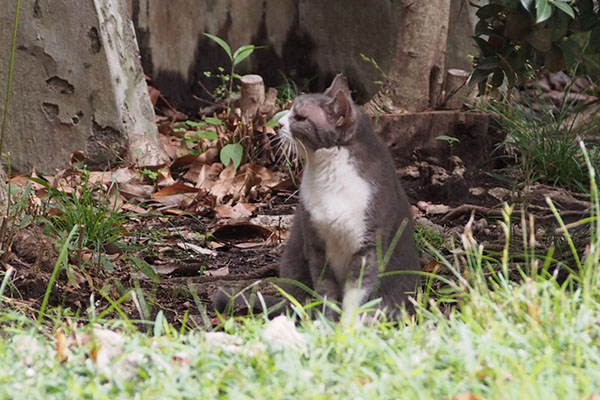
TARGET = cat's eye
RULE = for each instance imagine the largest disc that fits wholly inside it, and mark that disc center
(299, 118)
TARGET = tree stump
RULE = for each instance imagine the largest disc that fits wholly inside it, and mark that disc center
(252, 97)
(456, 89)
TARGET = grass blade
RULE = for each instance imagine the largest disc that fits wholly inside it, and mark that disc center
(62, 258)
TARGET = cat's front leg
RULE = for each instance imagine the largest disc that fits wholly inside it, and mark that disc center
(361, 282)
(323, 277)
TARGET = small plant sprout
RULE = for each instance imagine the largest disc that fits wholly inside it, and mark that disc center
(235, 57)
(451, 140)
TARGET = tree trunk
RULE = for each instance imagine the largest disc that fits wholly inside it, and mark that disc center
(78, 86)
(414, 81)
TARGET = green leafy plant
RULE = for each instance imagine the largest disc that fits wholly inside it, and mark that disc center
(289, 89)
(152, 175)
(451, 140)
(516, 38)
(211, 129)
(375, 64)
(543, 142)
(235, 57)
(424, 237)
(91, 208)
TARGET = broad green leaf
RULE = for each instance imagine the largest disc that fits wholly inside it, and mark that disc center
(595, 39)
(210, 135)
(195, 124)
(273, 121)
(232, 152)
(482, 86)
(482, 27)
(554, 60)
(540, 39)
(510, 66)
(213, 121)
(497, 78)
(159, 324)
(518, 24)
(490, 10)
(241, 49)
(479, 75)
(527, 4)
(572, 51)
(145, 268)
(544, 10)
(489, 63)
(484, 46)
(559, 24)
(242, 53)
(221, 43)
(564, 7)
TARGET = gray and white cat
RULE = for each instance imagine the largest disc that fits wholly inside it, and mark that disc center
(350, 202)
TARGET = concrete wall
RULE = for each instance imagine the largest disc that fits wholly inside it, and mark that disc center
(305, 39)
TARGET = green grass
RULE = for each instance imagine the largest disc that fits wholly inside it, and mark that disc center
(533, 338)
(544, 143)
(89, 207)
(530, 341)
(536, 338)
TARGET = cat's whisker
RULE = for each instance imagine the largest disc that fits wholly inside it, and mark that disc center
(304, 149)
(280, 148)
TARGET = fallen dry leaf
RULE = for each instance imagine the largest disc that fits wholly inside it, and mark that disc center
(281, 222)
(467, 396)
(174, 189)
(196, 248)
(218, 272)
(237, 212)
(134, 190)
(242, 232)
(173, 147)
(432, 267)
(209, 156)
(62, 347)
(184, 161)
(165, 178)
(436, 209)
(134, 208)
(126, 175)
(205, 176)
(225, 184)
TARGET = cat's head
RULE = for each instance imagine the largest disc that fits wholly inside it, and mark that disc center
(321, 120)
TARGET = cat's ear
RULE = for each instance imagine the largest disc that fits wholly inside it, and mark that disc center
(339, 83)
(342, 108)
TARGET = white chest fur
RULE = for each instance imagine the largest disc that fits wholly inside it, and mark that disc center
(337, 199)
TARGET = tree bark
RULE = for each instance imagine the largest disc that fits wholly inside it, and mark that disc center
(78, 86)
(252, 97)
(414, 81)
(455, 89)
